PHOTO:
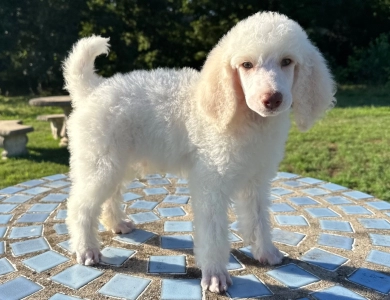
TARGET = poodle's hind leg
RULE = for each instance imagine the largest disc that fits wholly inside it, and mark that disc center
(113, 217)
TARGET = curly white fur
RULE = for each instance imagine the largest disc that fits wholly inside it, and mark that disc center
(224, 128)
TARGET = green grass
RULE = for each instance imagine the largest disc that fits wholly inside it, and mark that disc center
(349, 146)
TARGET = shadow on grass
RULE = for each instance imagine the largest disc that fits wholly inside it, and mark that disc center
(360, 96)
(58, 156)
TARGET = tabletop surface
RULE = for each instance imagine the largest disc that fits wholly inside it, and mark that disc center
(51, 101)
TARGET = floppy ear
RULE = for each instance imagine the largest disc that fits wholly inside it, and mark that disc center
(218, 89)
(313, 89)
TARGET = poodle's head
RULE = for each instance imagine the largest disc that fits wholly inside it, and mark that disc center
(267, 63)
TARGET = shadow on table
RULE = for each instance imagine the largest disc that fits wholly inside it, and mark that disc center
(58, 156)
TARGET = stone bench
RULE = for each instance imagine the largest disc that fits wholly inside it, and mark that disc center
(56, 124)
(13, 138)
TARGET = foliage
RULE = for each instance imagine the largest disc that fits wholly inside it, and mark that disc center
(35, 35)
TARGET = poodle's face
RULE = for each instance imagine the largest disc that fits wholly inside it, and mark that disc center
(267, 83)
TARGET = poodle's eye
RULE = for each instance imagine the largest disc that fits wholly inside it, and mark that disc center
(285, 62)
(247, 65)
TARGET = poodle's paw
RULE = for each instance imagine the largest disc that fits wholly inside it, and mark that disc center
(89, 257)
(125, 226)
(270, 255)
(216, 283)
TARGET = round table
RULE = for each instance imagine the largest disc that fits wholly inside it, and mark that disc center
(336, 242)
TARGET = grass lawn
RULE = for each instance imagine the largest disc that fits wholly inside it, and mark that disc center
(350, 146)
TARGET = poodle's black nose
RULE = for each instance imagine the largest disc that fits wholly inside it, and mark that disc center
(272, 101)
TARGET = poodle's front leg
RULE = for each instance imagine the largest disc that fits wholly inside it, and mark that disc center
(254, 223)
(212, 247)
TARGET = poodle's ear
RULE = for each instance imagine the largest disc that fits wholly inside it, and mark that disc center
(313, 90)
(218, 89)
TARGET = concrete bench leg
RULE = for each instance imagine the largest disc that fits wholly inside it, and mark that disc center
(14, 145)
(56, 127)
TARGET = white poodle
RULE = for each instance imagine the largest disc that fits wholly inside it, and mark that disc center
(224, 128)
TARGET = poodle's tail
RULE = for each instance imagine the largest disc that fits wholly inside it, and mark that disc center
(79, 72)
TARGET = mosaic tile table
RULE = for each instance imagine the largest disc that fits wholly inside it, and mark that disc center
(337, 242)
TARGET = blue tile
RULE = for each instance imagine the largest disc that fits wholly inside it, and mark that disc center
(101, 227)
(273, 198)
(233, 264)
(136, 237)
(61, 215)
(280, 191)
(45, 261)
(182, 181)
(18, 199)
(355, 210)
(55, 177)
(168, 212)
(291, 220)
(337, 200)
(142, 204)
(2, 247)
(11, 190)
(321, 212)
(3, 230)
(115, 256)
(294, 184)
(61, 229)
(333, 187)
(375, 223)
(343, 226)
(234, 226)
(76, 276)
(6, 208)
(59, 296)
(159, 181)
(371, 279)
(292, 276)
(177, 242)
(286, 175)
(323, 259)
(167, 264)
(379, 258)
(155, 191)
(247, 251)
(57, 184)
(380, 239)
(65, 245)
(310, 180)
(336, 293)
(169, 175)
(287, 237)
(6, 267)
(36, 190)
(130, 196)
(182, 190)
(32, 183)
(181, 289)
(303, 201)
(66, 190)
(379, 205)
(178, 226)
(29, 246)
(153, 176)
(125, 287)
(135, 185)
(18, 288)
(54, 198)
(315, 191)
(33, 218)
(281, 207)
(176, 199)
(24, 232)
(233, 238)
(144, 217)
(247, 286)
(4, 219)
(357, 195)
(43, 207)
(335, 241)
